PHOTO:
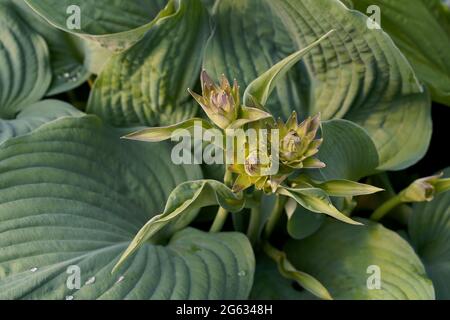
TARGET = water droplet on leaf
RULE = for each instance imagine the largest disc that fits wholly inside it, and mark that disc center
(120, 279)
(90, 281)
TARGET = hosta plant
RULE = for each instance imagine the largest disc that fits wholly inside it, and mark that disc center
(229, 149)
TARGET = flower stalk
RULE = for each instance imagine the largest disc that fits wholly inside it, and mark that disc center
(421, 190)
(222, 214)
(255, 220)
(275, 216)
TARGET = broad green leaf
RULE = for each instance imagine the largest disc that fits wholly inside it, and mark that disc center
(115, 24)
(182, 208)
(67, 52)
(287, 270)
(315, 200)
(147, 84)
(95, 56)
(348, 3)
(73, 193)
(261, 88)
(347, 150)
(35, 116)
(193, 265)
(67, 56)
(269, 284)
(429, 231)
(25, 72)
(421, 29)
(209, 4)
(355, 73)
(157, 134)
(345, 259)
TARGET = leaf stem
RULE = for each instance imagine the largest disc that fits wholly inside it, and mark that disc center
(228, 178)
(385, 208)
(222, 214)
(255, 220)
(275, 216)
(219, 220)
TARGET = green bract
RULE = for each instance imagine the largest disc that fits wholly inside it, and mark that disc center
(226, 150)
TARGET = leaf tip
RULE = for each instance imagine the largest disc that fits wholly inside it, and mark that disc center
(376, 189)
(127, 136)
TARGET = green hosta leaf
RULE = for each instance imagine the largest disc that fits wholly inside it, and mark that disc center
(421, 29)
(347, 150)
(95, 56)
(67, 52)
(269, 284)
(35, 116)
(182, 208)
(147, 83)
(73, 193)
(261, 88)
(67, 56)
(315, 200)
(348, 3)
(209, 4)
(25, 72)
(429, 231)
(193, 265)
(115, 24)
(355, 73)
(343, 258)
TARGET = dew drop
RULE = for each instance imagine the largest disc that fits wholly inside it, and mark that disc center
(90, 281)
(120, 279)
(69, 297)
(66, 75)
(34, 269)
(242, 273)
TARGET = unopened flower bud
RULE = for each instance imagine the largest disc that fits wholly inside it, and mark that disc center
(298, 143)
(220, 103)
(420, 190)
